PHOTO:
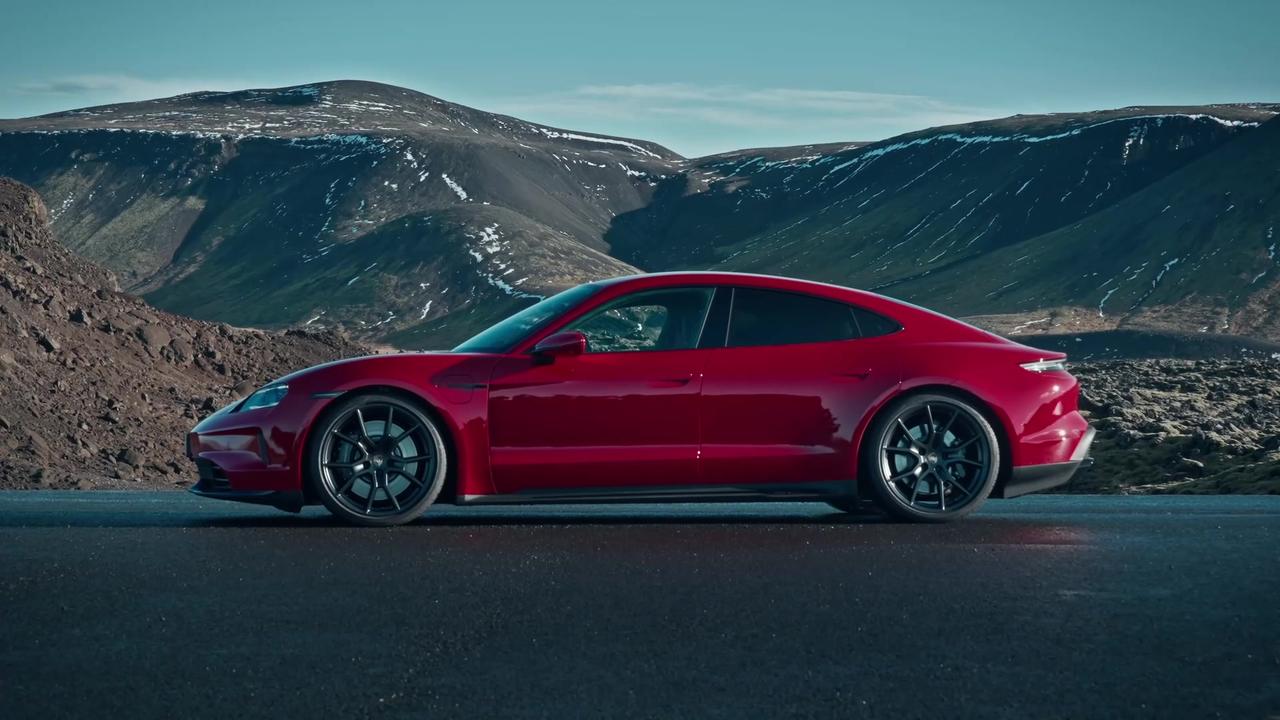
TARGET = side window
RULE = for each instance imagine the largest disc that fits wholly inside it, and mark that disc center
(768, 317)
(873, 324)
(654, 320)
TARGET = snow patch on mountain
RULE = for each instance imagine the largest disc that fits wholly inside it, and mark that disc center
(556, 134)
(490, 244)
(455, 187)
(965, 140)
(1137, 134)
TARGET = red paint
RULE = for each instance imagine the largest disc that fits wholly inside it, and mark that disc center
(793, 413)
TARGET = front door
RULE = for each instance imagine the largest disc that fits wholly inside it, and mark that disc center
(623, 415)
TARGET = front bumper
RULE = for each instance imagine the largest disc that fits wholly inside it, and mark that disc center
(1037, 478)
(214, 484)
(252, 455)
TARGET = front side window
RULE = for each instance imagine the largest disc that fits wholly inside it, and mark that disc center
(769, 317)
(655, 320)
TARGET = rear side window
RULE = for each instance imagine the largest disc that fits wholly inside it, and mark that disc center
(873, 324)
(768, 317)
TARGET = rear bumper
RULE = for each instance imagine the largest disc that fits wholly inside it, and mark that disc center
(1037, 478)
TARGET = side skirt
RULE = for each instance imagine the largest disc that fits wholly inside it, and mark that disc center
(770, 492)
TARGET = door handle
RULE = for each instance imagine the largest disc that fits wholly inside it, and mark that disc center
(673, 382)
(859, 374)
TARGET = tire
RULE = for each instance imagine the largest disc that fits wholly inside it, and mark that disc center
(376, 460)
(930, 457)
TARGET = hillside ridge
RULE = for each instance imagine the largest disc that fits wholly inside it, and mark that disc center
(403, 218)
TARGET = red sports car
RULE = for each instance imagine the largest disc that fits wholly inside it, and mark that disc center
(667, 387)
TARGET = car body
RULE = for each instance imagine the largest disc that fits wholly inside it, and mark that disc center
(751, 387)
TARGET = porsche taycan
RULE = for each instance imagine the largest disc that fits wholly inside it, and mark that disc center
(671, 387)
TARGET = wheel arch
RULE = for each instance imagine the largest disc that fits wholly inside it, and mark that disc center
(998, 423)
(447, 433)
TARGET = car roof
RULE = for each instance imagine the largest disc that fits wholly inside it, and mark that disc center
(772, 282)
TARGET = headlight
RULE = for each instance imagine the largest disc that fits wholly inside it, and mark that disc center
(1041, 366)
(266, 397)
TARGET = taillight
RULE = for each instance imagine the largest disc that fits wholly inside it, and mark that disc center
(1043, 366)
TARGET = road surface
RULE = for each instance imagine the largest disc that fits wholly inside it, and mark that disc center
(134, 604)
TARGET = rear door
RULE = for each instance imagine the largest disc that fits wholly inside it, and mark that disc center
(781, 400)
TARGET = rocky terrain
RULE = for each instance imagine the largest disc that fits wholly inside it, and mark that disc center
(413, 221)
(97, 388)
(1182, 426)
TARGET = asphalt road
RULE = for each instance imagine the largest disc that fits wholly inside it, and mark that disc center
(136, 605)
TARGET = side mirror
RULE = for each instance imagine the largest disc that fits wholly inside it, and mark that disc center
(561, 344)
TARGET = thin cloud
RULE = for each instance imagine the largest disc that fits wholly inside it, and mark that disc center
(124, 85)
(816, 114)
(804, 98)
(70, 91)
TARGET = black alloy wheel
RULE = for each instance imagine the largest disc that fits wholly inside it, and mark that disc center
(378, 460)
(931, 458)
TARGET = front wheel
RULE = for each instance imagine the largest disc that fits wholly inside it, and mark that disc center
(930, 458)
(377, 460)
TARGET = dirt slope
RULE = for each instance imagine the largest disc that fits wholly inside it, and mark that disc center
(97, 388)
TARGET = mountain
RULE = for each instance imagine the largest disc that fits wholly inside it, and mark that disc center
(1029, 213)
(374, 206)
(97, 388)
(413, 221)
(1197, 249)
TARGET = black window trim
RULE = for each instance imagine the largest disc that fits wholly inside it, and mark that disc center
(857, 325)
(719, 316)
(728, 319)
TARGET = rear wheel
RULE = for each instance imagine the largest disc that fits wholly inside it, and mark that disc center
(377, 460)
(930, 458)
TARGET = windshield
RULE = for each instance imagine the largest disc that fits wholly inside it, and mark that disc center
(507, 334)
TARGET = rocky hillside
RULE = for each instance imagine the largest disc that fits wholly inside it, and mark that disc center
(1196, 250)
(98, 388)
(350, 203)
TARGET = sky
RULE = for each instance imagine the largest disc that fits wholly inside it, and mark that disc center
(698, 76)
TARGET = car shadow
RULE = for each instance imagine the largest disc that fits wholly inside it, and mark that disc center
(808, 522)
(544, 518)
(449, 517)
